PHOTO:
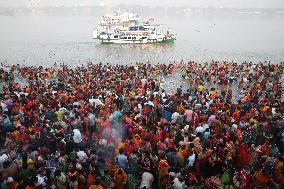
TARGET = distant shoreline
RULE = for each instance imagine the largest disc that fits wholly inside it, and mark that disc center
(155, 10)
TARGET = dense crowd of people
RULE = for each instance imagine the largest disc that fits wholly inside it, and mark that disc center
(114, 126)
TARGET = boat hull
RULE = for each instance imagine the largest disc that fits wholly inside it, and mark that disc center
(118, 41)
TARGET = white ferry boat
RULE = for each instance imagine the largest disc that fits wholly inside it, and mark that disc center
(130, 28)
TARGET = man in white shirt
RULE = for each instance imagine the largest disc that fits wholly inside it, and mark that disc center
(82, 156)
(3, 158)
(178, 184)
(92, 122)
(96, 101)
(77, 137)
(175, 117)
(191, 159)
(147, 180)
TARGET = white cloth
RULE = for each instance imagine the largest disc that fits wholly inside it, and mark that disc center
(191, 160)
(3, 158)
(235, 127)
(77, 136)
(78, 166)
(175, 116)
(155, 93)
(40, 181)
(177, 184)
(92, 119)
(103, 142)
(205, 126)
(143, 81)
(10, 180)
(151, 103)
(76, 104)
(97, 102)
(4, 107)
(199, 129)
(62, 109)
(82, 156)
(147, 179)
(139, 106)
(273, 110)
(72, 115)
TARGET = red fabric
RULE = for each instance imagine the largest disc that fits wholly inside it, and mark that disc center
(13, 185)
(129, 149)
(162, 146)
(245, 179)
(90, 180)
(243, 156)
(29, 104)
(53, 102)
(128, 121)
(158, 138)
(166, 135)
(29, 187)
(43, 150)
(163, 164)
(146, 110)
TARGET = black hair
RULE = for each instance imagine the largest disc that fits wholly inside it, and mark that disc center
(120, 150)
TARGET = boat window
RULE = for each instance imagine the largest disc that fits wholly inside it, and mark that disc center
(133, 37)
(115, 37)
(129, 37)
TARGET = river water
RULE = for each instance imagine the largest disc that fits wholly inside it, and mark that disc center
(38, 38)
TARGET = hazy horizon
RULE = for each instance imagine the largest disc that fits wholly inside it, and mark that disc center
(166, 3)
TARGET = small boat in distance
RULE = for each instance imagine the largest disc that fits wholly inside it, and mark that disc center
(128, 27)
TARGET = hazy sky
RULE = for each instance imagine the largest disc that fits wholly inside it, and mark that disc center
(193, 3)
